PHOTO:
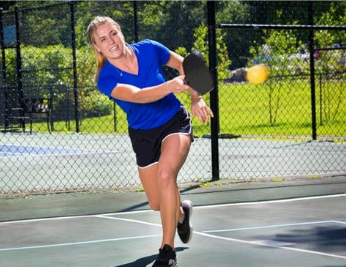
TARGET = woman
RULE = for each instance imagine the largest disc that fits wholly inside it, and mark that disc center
(159, 126)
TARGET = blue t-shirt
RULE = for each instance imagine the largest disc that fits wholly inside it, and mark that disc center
(151, 55)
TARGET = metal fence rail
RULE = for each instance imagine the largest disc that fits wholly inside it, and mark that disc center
(291, 125)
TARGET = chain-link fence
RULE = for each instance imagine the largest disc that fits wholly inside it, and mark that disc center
(77, 140)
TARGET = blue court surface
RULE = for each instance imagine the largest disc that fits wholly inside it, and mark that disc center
(308, 231)
(13, 150)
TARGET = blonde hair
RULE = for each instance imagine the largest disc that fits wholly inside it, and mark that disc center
(100, 58)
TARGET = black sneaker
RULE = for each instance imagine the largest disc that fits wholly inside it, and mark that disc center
(166, 258)
(185, 229)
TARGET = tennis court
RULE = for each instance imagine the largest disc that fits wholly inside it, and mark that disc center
(14, 150)
(73, 197)
(87, 160)
(48, 160)
(299, 223)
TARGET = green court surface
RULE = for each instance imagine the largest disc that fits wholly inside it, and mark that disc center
(300, 222)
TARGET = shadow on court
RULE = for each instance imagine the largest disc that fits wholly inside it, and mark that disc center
(145, 260)
(323, 238)
(139, 262)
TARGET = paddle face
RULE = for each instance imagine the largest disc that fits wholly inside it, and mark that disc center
(197, 74)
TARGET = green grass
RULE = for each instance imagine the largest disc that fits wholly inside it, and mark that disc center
(270, 109)
(280, 109)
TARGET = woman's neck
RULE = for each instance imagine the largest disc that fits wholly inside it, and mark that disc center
(127, 62)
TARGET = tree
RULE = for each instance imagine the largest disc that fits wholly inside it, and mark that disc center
(235, 12)
(7, 5)
(201, 44)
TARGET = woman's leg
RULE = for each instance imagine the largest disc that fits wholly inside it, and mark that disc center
(174, 152)
(160, 183)
(148, 177)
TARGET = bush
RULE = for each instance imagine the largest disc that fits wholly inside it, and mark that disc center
(95, 104)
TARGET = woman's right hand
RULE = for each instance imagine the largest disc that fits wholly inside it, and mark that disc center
(177, 85)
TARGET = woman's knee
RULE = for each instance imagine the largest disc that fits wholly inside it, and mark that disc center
(166, 177)
(154, 205)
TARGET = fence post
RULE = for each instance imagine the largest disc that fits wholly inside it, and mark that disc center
(135, 20)
(114, 116)
(214, 101)
(19, 66)
(321, 101)
(75, 83)
(3, 64)
(312, 71)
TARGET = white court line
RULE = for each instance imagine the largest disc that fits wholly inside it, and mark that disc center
(196, 207)
(91, 241)
(271, 226)
(236, 204)
(47, 219)
(107, 216)
(50, 151)
(257, 243)
(78, 243)
(271, 201)
(128, 220)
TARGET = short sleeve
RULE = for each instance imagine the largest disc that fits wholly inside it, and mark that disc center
(162, 52)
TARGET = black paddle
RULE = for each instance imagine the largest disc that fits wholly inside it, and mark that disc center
(197, 74)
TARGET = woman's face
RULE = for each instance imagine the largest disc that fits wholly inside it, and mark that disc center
(109, 40)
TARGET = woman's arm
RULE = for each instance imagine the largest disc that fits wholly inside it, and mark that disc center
(132, 93)
(150, 94)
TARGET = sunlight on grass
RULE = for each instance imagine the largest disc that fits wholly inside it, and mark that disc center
(270, 109)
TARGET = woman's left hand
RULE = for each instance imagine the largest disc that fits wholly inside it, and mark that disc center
(200, 109)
